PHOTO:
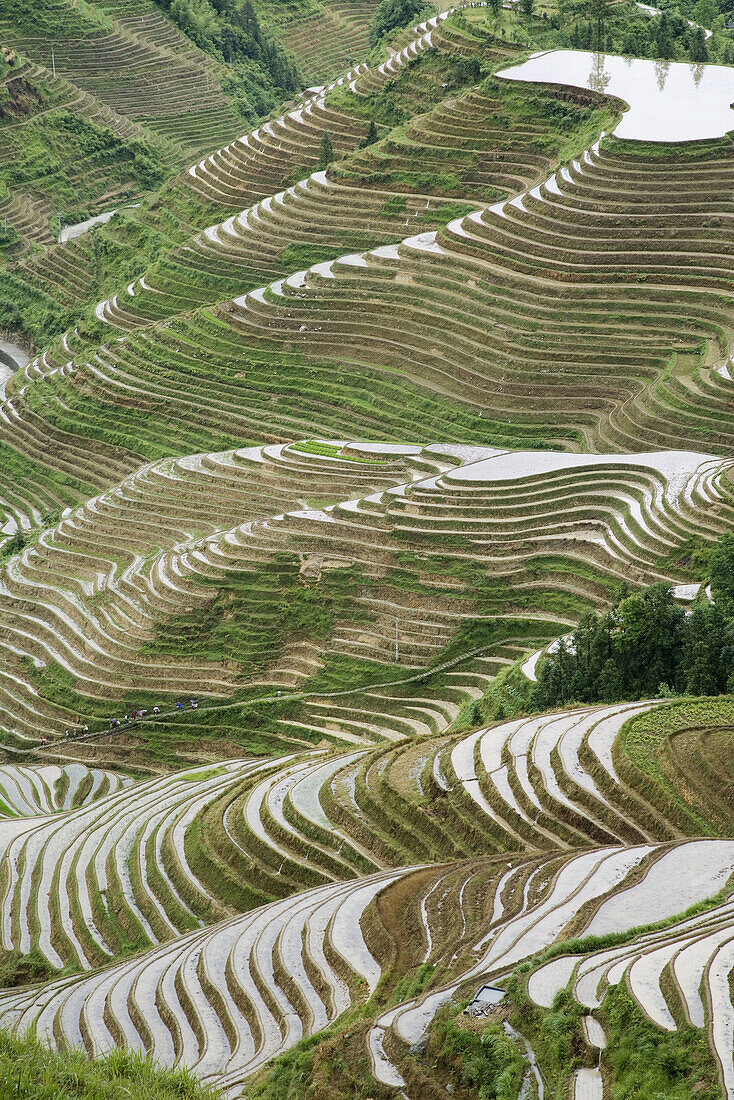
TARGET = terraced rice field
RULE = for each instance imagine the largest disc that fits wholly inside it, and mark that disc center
(142, 68)
(62, 131)
(492, 303)
(219, 487)
(119, 595)
(327, 836)
(325, 40)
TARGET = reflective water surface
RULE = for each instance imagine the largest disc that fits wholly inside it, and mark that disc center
(668, 100)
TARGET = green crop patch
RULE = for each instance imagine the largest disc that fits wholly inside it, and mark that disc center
(201, 777)
(250, 617)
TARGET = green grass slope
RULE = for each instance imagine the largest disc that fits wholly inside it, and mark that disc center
(65, 157)
(29, 1070)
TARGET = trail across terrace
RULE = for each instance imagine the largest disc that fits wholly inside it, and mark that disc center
(626, 511)
(279, 697)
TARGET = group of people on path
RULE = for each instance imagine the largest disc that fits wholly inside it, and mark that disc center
(72, 734)
(136, 715)
(116, 723)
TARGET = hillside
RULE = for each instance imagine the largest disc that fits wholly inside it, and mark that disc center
(366, 542)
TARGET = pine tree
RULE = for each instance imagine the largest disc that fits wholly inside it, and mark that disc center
(326, 151)
(609, 685)
(664, 43)
(701, 654)
(698, 50)
(370, 137)
(722, 574)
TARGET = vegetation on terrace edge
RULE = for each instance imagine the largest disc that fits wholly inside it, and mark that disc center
(647, 645)
(67, 159)
(30, 1071)
(121, 252)
(489, 1062)
(640, 1060)
(155, 239)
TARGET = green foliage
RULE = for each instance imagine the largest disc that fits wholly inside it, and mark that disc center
(371, 136)
(342, 673)
(508, 695)
(647, 1063)
(289, 1076)
(51, 152)
(230, 30)
(722, 574)
(326, 151)
(643, 741)
(697, 49)
(557, 1039)
(56, 18)
(30, 1071)
(489, 1063)
(17, 969)
(586, 945)
(478, 634)
(13, 545)
(301, 254)
(623, 28)
(391, 15)
(412, 984)
(252, 614)
(705, 12)
(646, 646)
(691, 558)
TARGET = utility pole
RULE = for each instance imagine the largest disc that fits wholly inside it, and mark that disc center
(53, 61)
(397, 647)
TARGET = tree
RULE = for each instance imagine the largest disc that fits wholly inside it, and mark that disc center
(554, 680)
(647, 646)
(705, 13)
(610, 686)
(326, 151)
(649, 639)
(527, 7)
(697, 49)
(598, 12)
(664, 44)
(722, 574)
(370, 137)
(702, 672)
(495, 7)
(392, 14)
(229, 29)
